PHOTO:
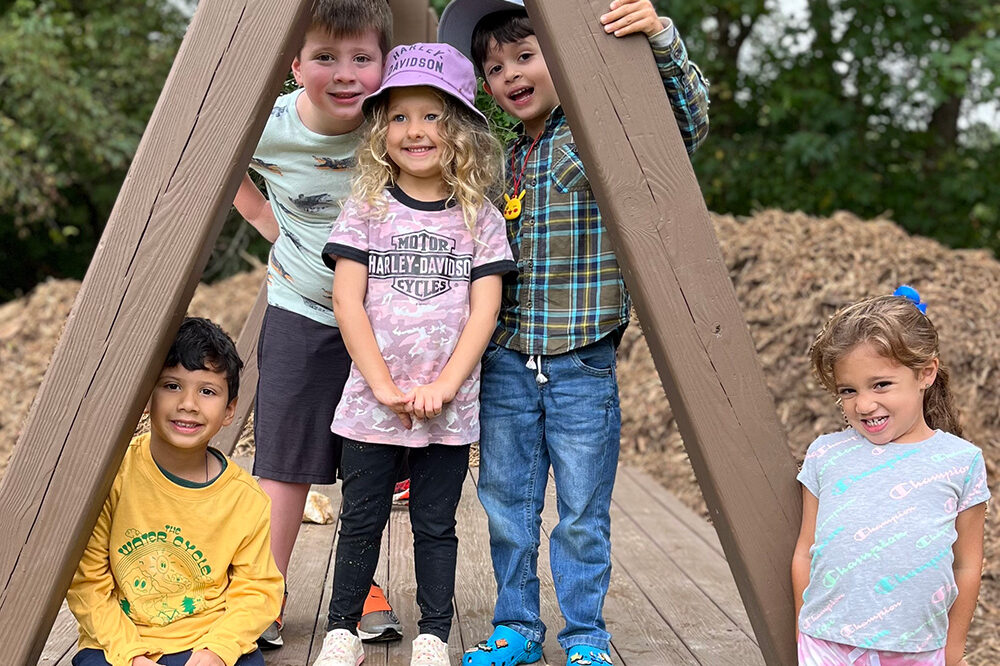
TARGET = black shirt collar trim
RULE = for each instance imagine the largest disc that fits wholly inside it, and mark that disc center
(402, 197)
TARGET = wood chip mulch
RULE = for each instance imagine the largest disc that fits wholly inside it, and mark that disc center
(790, 271)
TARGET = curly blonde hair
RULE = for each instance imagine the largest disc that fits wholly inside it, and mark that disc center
(898, 331)
(471, 159)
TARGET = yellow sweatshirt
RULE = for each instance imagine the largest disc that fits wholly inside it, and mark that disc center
(170, 568)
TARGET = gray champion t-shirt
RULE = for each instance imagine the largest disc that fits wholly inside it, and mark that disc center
(881, 574)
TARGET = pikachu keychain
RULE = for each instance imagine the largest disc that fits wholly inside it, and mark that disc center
(512, 207)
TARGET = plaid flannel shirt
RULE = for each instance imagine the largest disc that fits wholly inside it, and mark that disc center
(568, 291)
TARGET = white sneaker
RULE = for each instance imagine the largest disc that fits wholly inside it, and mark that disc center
(340, 648)
(429, 650)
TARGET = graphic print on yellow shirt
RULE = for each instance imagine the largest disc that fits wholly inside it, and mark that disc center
(166, 576)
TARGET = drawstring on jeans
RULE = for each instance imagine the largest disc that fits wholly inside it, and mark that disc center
(535, 363)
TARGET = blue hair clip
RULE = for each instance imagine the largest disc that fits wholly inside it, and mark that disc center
(912, 295)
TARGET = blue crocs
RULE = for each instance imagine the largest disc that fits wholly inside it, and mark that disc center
(505, 647)
(587, 655)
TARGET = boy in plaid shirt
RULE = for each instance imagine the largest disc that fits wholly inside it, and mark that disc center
(549, 392)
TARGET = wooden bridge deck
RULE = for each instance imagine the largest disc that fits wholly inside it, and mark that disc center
(672, 598)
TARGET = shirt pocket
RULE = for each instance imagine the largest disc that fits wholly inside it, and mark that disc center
(567, 170)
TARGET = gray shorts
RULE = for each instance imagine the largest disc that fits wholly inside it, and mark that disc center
(303, 367)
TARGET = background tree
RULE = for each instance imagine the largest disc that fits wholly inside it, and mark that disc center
(817, 105)
(847, 104)
(78, 81)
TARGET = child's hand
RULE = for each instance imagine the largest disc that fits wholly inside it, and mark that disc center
(630, 16)
(428, 400)
(394, 399)
(143, 660)
(205, 657)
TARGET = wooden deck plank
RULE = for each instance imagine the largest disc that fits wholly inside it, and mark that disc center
(62, 639)
(663, 605)
(401, 567)
(475, 588)
(320, 632)
(305, 614)
(695, 618)
(404, 584)
(656, 512)
(699, 526)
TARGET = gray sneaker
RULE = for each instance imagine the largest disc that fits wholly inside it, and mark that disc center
(378, 621)
(271, 638)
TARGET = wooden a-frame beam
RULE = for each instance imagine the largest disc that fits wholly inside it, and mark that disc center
(159, 236)
(413, 21)
(666, 246)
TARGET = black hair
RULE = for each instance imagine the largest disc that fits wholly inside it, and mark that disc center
(202, 345)
(506, 27)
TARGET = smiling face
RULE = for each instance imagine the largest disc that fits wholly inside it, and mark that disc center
(413, 141)
(188, 407)
(883, 399)
(519, 81)
(337, 73)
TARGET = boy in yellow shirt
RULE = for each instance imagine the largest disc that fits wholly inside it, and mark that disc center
(178, 570)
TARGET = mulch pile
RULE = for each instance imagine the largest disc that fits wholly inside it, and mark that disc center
(790, 271)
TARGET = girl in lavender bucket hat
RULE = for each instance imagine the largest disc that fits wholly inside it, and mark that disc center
(419, 252)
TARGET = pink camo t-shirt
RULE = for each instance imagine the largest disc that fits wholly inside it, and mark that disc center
(421, 261)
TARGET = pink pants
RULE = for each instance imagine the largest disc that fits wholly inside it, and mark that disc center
(817, 652)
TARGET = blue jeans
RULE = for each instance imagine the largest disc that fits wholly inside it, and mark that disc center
(573, 423)
(96, 658)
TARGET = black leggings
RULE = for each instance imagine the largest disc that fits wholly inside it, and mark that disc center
(437, 473)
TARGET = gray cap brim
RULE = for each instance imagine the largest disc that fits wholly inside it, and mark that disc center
(460, 17)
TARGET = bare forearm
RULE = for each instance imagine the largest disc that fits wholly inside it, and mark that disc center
(800, 581)
(960, 613)
(256, 209)
(484, 308)
(359, 338)
(471, 345)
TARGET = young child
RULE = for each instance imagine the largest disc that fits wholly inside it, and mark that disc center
(169, 576)
(888, 562)
(549, 390)
(306, 158)
(419, 252)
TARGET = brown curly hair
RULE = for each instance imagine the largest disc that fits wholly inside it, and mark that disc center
(899, 331)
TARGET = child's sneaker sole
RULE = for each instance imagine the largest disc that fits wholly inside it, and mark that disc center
(378, 621)
(380, 627)
(271, 638)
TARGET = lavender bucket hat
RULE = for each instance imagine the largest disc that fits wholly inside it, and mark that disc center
(440, 66)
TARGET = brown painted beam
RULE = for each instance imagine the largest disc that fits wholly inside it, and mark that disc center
(410, 21)
(699, 341)
(432, 25)
(225, 440)
(159, 236)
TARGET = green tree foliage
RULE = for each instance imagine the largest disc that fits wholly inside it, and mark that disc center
(839, 104)
(822, 105)
(849, 104)
(78, 81)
